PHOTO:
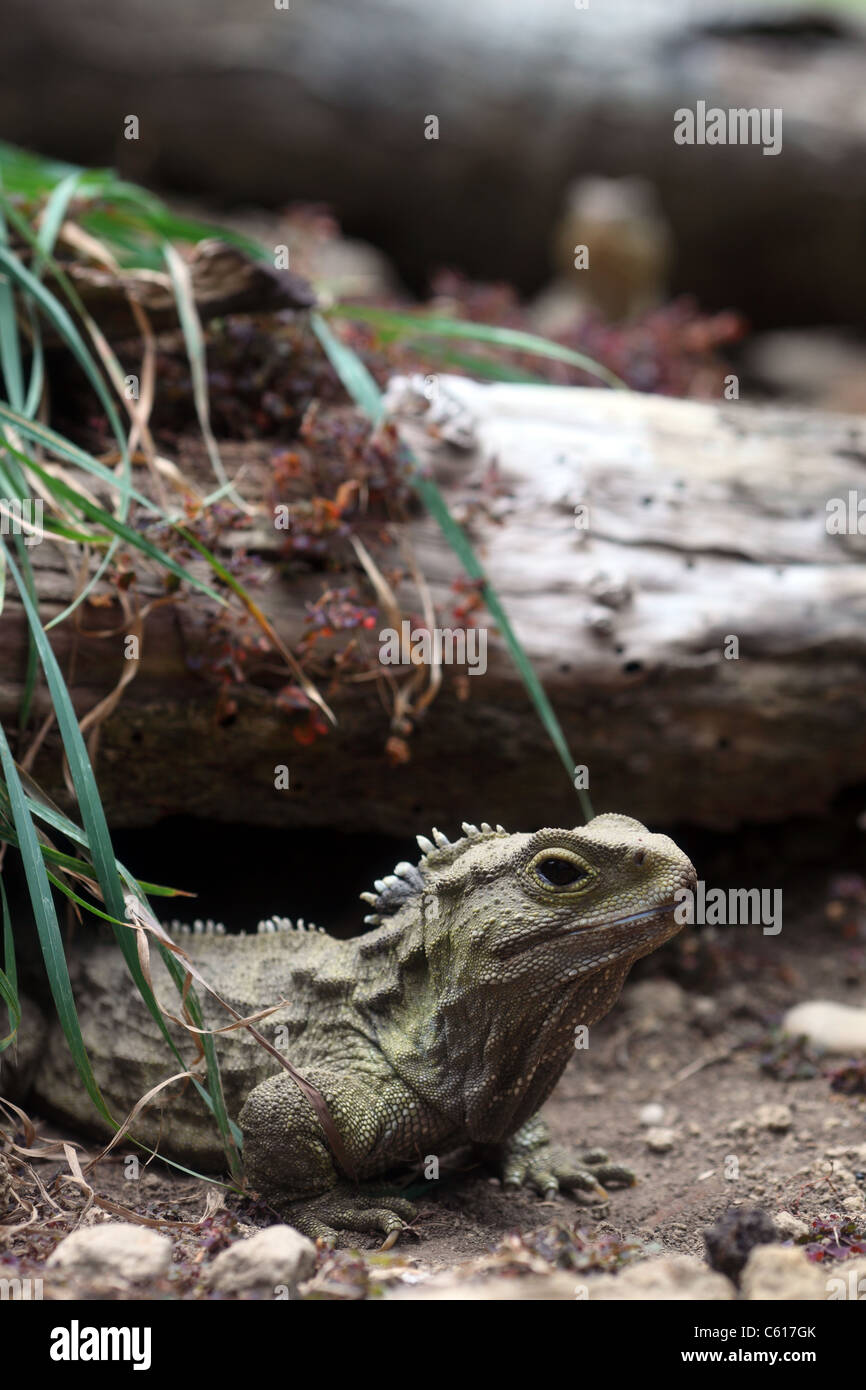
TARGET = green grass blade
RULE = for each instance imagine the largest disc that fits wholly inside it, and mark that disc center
(63, 448)
(68, 864)
(476, 366)
(8, 940)
(142, 213)
(10, 339)
(133, 538)
(196, 356)
(9, 996)
(48, 927)
(397, 324)
(152, 890)
(96, 513)
(56, 444)
(55, 211)
(31, 670)
(363, 389)
(232, 1139)
(74, 897)
(42, 809)
(50, 223)
(14, 484)
(116, 210)
(456, 537)
(358, 381)
(62, 321)
(95, 828)
(48, 303)
(9, 974)
(10, 346)
(37, 364)
(28, 174)
(83, 780)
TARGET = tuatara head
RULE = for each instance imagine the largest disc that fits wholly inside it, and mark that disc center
(556, 905)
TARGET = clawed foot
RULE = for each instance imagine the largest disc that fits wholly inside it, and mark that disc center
(530, 1159)
(346, 1208)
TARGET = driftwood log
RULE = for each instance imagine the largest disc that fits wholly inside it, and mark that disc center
(667, 565)
(328, 102)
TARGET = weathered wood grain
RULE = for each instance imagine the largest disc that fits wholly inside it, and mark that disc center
(706, 524)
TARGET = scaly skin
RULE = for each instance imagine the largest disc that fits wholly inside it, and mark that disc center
(449, 1023)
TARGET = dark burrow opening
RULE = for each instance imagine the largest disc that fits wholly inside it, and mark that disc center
(241, 873)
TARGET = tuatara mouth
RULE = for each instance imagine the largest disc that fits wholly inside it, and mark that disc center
(660, 910)
(644, 916)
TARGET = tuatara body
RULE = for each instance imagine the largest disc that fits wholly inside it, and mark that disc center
(447, 1024)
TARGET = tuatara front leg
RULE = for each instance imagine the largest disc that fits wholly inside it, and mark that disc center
(529, 1157)
(287, 1158)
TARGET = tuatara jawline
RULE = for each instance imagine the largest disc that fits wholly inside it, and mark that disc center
(448, 1023)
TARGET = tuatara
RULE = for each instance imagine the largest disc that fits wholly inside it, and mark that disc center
(447, 1024)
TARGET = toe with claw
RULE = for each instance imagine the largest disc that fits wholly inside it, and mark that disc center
(530, 1159)
(346, 1208)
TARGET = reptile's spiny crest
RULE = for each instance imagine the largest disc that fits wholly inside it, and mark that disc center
(268, 924)
(407, 880)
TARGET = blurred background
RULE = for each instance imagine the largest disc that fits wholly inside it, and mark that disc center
(555, 124)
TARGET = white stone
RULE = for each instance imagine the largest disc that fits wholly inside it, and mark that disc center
(781, 1273)
(275, 1258)
(790, 1226)
(652, 1114)
(114, 1252)
(661, 1141)
(672, 1277)
(778, 1118)
(838, 1028)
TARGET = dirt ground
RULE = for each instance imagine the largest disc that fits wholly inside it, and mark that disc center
(692, 1034)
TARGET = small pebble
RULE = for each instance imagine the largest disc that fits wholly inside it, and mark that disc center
(661, 1141)
(777, 1118)
(790, 1227)
(652, 1114)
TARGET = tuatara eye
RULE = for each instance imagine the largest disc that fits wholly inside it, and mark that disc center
(561, 873)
